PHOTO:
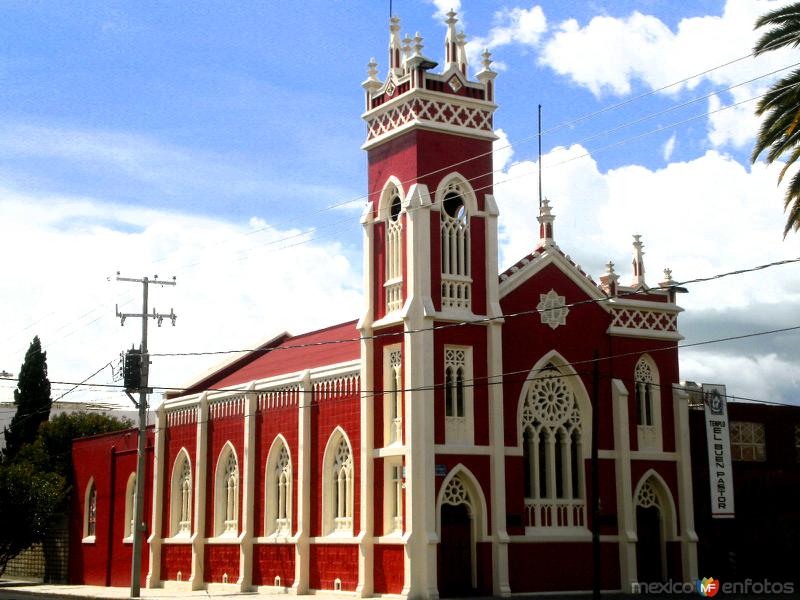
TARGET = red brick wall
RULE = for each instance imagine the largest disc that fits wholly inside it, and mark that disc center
(219, 559)
(176, 438)
(271, 560)
(329, 561)
(388, 568)
(174, 558)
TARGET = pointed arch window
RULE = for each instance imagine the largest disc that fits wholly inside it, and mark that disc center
(647, 395)
(90, 512)
(457, 395)
(181, 497)
(338, 486)
(455, 246)
(393, 284)
(551, 421)
(279, 491)
(227, 494)
(393, 399)
(130, 508)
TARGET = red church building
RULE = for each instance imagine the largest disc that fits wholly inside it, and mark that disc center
(441, 444)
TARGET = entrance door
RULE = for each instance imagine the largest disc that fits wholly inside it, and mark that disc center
(455, 552)
(650, 545)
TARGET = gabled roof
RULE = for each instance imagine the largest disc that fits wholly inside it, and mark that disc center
(284, 353)
(529, 265)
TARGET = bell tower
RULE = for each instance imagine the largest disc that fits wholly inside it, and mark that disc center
(430, 263)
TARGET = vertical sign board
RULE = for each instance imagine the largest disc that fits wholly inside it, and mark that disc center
(720, 473)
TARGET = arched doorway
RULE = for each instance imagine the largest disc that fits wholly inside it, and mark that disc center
(650, 530)
(461, 515)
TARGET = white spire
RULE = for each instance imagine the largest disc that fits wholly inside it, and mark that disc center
(451, 41)
(545, 218)
(461, 54)
(371, 83)
(638, 262)
(395, 61)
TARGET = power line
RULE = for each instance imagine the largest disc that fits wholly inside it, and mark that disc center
(491, 379)
(482, 320)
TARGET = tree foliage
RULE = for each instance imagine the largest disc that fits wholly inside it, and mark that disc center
(32, 399)
(29, 499)
(779, 134)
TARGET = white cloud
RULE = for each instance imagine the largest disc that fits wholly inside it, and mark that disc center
(444, 6)
(512, 26)
(502, 150)
(669, 147)
(700, 217)
(234, 285)
(608, 55)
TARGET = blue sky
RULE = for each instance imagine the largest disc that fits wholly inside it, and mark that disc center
(203, 139)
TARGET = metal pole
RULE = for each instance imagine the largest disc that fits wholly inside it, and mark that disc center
(138, 504)
(596, 570)
(540, 157)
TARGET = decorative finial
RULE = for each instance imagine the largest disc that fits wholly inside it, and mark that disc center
(638, 262)
(667, 274)
(407, 40)
(487, 60)
(545, 218)
(417, 44)
(608, 281)
(372, 69)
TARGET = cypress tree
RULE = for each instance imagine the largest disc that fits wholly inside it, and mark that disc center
(32, 399)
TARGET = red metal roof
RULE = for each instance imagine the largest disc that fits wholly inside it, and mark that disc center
(287, 354)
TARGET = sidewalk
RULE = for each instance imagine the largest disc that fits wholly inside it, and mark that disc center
(24, 590)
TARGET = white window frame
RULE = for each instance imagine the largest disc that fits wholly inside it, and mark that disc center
(89, 505)
(393, 497)
(647, 399)
(181, 506)
(278, 490)
(757, 450)
(393, 245)
(459, 428)
(455, 245)
(556, 440)
(338, 481)
(130, 516)
(227, 487)
(393, 395)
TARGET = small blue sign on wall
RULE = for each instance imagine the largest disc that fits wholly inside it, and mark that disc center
(441, 470)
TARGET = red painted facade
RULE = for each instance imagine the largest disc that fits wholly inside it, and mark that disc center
(419, 450)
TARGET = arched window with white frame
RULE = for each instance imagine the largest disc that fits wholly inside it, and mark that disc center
(130, 508)
(455, 246)
(647, 396)
(278, 490)
(90, 512)
(391, 208)
(551, 425)
(393, 395)
(181, 496)
(226, 495)
(338, 486)
(458, 414)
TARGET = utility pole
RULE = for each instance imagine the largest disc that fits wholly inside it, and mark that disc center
(139, 526)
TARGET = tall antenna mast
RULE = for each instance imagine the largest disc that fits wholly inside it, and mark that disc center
(540, 155)
(390, 9)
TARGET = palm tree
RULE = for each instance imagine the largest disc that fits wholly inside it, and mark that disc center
(779, 135)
